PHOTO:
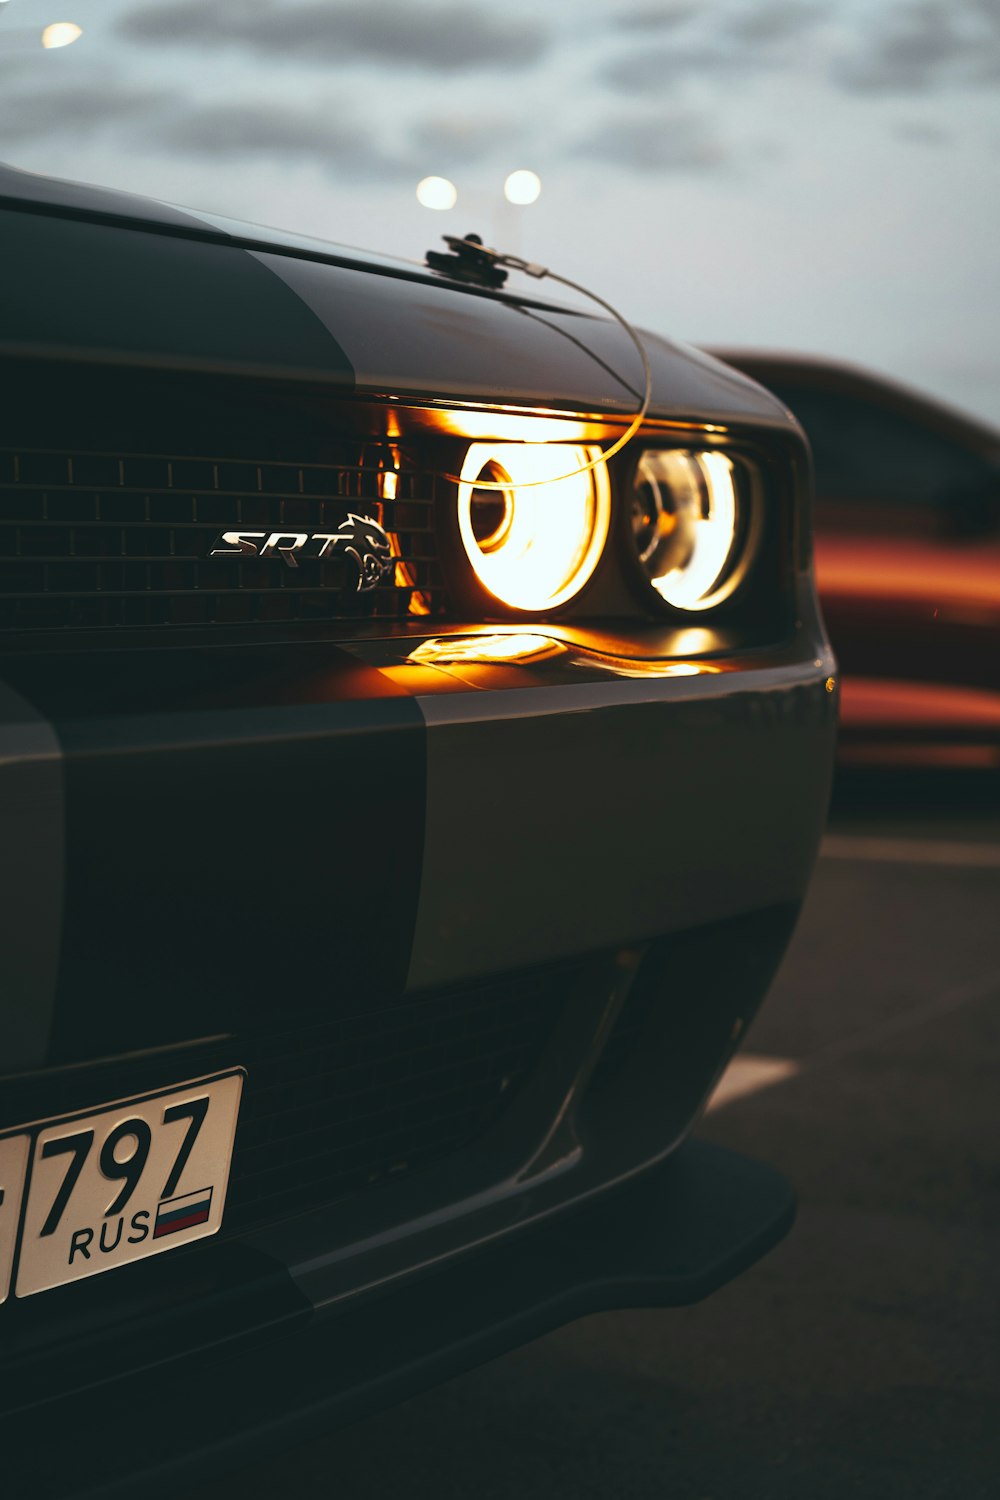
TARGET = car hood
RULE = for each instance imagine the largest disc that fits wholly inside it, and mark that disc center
(97, 274)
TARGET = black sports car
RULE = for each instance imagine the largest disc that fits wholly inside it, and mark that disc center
(404, 809)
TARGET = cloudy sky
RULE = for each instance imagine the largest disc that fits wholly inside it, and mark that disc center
(808, 174)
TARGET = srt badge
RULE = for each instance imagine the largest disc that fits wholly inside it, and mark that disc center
(359, 538)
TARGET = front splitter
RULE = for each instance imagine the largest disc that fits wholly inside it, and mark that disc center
(670, 1237)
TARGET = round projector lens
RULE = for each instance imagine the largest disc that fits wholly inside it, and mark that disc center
(491, 511)
(534, 543)
(686, 526)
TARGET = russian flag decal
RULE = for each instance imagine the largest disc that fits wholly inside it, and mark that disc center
(174, 1214)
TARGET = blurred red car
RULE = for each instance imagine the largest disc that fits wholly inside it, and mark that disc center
(907, 559)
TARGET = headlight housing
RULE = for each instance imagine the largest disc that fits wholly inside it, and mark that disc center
(691, 526)
(533, 544)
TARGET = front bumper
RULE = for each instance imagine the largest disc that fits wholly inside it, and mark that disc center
(224, 839)
(668, 1238)
(192, 830)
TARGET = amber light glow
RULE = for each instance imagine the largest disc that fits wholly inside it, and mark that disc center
(485, 650)
(657, 668)
(534, 543)
(404, 574)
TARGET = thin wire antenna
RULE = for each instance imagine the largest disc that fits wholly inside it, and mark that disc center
(516, 263)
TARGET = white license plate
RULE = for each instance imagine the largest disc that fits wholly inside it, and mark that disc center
(114, 1185)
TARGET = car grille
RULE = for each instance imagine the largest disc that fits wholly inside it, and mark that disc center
(335, 1103)
(94, 540)
(332, 1107)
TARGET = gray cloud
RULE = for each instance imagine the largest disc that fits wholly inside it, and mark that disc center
(773, 22)
(658, 17)
(906, 47)
(650, 70)
(923, 133)
(442, 36)
(74, 109)
(927, 44)
(249, 130)
(735, 44)
(672, 141)
(241, 131)
(465, 138)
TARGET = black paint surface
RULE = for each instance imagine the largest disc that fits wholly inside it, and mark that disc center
(73, 285)
(244, 832)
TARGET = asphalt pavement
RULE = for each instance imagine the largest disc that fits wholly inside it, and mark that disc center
(862, 1357)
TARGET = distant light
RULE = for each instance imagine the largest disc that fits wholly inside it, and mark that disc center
(437, 192)
(522, 187)
(61, 34)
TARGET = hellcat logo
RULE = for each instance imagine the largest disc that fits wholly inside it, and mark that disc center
(359, 537)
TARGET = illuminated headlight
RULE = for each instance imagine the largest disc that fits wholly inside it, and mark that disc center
(533, 543)
(690, 525)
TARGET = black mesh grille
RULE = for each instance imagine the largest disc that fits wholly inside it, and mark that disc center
(338, 1102)
(92, 540)
(336, 1106)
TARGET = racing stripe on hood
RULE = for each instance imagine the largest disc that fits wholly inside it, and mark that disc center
(102, 292)
(32, 843)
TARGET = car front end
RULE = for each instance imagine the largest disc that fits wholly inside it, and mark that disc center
(383, 766)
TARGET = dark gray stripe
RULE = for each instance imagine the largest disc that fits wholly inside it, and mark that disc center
(113, 293)
(31, 879)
